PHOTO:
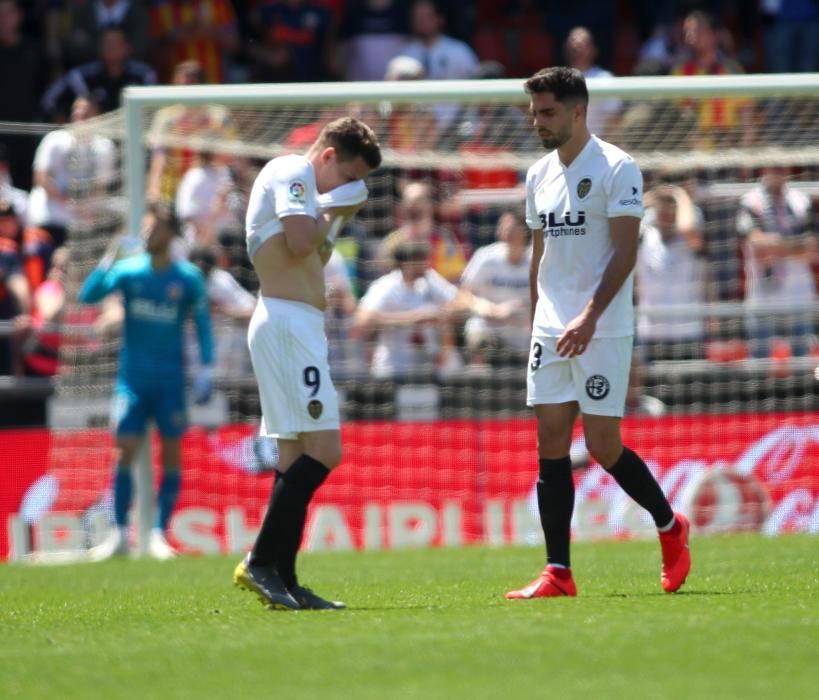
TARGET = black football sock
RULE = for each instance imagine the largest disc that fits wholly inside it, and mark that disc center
(283, 525)
(637, 481)
(555, 501)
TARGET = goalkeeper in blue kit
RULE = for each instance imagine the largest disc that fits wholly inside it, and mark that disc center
(158, 295)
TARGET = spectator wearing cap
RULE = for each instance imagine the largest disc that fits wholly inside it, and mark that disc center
(410, 127)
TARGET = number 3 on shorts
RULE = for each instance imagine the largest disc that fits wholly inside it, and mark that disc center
(537, 351)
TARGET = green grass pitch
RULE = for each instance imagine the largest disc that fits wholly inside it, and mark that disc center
(422, 624)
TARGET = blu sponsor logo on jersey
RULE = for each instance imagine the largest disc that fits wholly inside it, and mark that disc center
(565, 225)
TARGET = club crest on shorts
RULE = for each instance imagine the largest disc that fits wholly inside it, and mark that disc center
(597, 387)
(296, 190)
(315, 409)
(584, 187)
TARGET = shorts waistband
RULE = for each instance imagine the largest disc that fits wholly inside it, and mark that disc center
(274, 304)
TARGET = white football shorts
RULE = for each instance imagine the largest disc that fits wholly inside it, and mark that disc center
(288, 349)
(597, 379)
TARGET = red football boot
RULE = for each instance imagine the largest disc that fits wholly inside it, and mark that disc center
(676, 555)
(552, 583)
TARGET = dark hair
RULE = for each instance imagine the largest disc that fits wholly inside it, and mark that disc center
(351, 138)
(165, 213)
(566, 84)
(204, 257)
(408, 251)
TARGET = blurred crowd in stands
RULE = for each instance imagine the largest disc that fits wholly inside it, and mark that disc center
(403, 290)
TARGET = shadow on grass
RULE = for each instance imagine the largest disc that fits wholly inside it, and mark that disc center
(662, 594)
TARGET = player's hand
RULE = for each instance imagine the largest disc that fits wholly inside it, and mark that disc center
(121, 246)
(576, 337)
(203, 385)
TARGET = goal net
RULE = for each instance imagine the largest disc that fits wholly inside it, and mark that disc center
(439, 446)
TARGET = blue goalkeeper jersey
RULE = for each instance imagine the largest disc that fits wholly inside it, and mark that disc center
(157, 304)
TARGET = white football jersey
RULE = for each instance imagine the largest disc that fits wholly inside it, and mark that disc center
(286, 186)
(490, 275)
(402, 349)
(572, 207)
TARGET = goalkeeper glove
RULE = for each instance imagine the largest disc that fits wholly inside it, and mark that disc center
(203, 385)
(120, 247)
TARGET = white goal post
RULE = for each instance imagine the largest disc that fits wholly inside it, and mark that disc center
(136, 100)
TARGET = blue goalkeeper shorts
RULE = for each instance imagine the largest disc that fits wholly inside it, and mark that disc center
(132, 409)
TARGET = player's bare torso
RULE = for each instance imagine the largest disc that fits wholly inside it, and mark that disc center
(285, 276)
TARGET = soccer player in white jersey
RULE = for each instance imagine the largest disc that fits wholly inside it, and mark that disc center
(584, 205)
(296, 206)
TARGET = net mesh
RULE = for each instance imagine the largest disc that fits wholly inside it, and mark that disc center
(445, 453)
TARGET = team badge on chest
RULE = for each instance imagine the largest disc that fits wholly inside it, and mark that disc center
(584, 187)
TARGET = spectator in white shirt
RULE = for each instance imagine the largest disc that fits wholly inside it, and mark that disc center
(408, 310)
(499, 272)
(412, 311)
(202, 201)
(69, 162)
(670, 272)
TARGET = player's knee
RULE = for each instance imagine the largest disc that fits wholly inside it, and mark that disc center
(326, 450)
(604, 448)
(553, 441)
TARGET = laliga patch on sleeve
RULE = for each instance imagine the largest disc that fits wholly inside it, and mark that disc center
(296, 191)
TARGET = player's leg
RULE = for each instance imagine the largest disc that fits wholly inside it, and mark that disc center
(288, 349)
(128, 416)
(304, 465)
(168, 408)
(551, 392)
(603, 373)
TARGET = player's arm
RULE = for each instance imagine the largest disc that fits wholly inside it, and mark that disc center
(203, 382)
(201, 319)
(537, 254)
(369, 319)
(338, 206)
(105, 278)
(625, 236)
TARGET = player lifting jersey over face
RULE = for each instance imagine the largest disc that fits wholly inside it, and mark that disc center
(584, 205)
(296, 207)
